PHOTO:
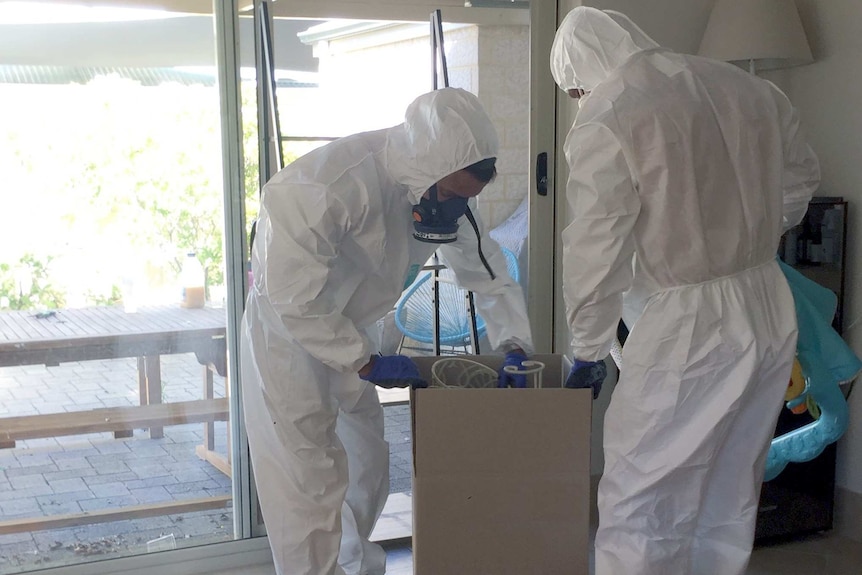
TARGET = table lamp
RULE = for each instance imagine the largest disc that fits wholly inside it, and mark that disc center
(766, 34)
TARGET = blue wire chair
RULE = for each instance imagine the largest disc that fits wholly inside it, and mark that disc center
(414, 314)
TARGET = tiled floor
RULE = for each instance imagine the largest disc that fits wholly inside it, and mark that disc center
(826, 554)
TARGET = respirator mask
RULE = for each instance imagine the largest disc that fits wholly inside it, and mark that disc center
(436, 222)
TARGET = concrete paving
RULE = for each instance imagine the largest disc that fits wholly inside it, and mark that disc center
(86, 473)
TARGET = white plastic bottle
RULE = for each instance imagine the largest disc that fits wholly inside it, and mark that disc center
(192, 280)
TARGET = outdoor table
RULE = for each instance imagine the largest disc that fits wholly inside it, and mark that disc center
(71, 335)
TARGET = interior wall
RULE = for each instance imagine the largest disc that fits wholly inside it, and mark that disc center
(827, 96)
(681, 33)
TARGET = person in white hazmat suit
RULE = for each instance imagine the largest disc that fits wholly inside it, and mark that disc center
(684, 172)
(339, 236)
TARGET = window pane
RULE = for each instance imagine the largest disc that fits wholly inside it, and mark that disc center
(339, 77)
(113, 409)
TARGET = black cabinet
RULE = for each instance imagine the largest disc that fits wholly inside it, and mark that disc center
(800, 500)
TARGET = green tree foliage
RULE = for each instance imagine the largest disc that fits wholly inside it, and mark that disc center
(27, 285)
(128, 182)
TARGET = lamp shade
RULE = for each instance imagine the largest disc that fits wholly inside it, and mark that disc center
(768, 32)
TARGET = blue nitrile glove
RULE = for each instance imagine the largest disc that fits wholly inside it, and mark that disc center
(510, 379)
(587, 374)
(394, 371)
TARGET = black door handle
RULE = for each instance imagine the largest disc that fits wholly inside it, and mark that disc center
(542, 174)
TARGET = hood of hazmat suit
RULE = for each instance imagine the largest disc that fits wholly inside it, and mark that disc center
(444, 131)
(683, 174)
(588, 47)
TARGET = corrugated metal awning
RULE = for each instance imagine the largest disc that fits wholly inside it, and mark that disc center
(76, 75)
(145, 76)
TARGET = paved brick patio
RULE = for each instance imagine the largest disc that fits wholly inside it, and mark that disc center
(86, 473)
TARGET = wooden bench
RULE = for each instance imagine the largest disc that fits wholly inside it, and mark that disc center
(26, 525)
(119, 420)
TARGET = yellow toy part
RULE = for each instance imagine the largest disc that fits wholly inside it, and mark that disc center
(797, 382)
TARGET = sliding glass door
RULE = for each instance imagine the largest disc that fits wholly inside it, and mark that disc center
(342, 68)
(114, 431)
(130, 143)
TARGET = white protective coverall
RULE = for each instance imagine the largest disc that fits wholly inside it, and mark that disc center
(334, 250)
(683, 173)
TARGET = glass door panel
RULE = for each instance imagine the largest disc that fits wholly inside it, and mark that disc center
(336, 77)
(113, 404)
(115, 431)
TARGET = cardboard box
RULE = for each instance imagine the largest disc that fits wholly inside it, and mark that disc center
(501, 477)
